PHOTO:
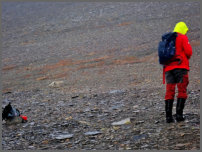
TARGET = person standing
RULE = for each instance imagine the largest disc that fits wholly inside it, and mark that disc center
(176, 74)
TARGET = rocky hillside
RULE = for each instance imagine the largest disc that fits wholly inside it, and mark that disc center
(87, 75)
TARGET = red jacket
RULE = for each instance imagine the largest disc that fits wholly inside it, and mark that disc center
(182, 55)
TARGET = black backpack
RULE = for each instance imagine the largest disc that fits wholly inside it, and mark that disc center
(9, 112)
(166, 48)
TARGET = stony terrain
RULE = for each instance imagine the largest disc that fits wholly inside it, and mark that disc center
(77, 69)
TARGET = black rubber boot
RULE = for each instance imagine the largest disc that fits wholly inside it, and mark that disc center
(168, 109)
(179, 109)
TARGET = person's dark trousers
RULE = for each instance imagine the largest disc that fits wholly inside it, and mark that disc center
(179, 109)
(168, 109)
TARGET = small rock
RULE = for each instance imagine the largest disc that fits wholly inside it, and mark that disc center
(73, 97)
(95, 95)
(139, 122)
(116, 128)
(122, 122)
(116, 91)
(87, 110)
(182, 145)
(138, 137)
(116, 107)
(45, 142)
(136, 131)
(42, 78)
(128, 148)
(145, 146)
(56, 84)
(84, 122)
(25, 125)
(70, 104)
(182, 134)
(91, 116)
(63, 136)
(143, 108)
(171, 128)
(92, 133)
(136, 106)
(42, 104)
(32, 123)
(102, 102)
(68, 118)
(136, 111)
(31, 147)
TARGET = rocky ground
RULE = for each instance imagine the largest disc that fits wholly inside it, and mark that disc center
(87, 76)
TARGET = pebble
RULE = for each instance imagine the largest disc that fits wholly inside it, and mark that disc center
(139, 122)
(31, 147)
(122, 122)
(73, 97)
(56, 84)
(116, 91)
(63, 136)
(91, 133)
(138, 137)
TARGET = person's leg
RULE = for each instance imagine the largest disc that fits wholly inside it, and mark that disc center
(170, 91)
(169, 96)
(169, 99)
(182, 96)
(182, 86)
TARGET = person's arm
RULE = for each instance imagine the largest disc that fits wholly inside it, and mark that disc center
(187, 47)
